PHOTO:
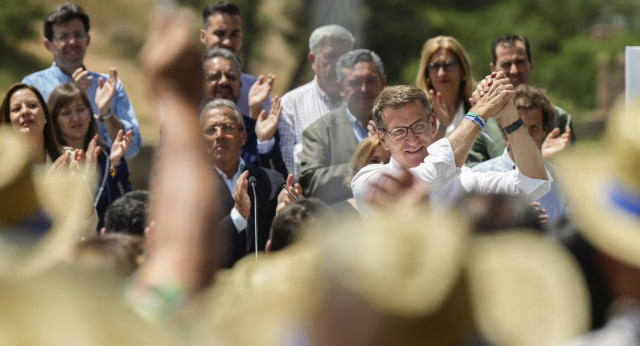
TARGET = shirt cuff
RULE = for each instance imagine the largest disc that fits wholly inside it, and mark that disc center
(267, 146)
(238, 221)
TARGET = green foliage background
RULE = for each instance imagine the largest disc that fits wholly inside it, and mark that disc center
(565, 51)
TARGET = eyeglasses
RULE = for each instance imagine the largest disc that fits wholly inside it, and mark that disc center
(76, 36)
(226, 128)
(447, 66)
(400, 132)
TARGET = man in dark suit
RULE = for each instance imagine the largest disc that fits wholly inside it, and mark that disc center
(222, 80)
(329, 143)
(224, 132)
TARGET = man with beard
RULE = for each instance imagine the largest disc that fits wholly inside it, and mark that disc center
(329, 143)
(222, 27)
(222, 81)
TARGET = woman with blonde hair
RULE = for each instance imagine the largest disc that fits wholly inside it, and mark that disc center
(445, 75)
(368, 152)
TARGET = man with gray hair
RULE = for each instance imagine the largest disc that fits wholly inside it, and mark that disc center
(305, 104)
(330, 141)
(224, 134)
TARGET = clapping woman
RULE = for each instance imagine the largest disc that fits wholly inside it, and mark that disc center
(26, 111)
(445, 75)
(75, 126)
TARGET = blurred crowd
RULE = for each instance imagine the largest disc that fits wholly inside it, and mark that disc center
(345, 212)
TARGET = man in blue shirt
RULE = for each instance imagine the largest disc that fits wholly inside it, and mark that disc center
(66, 32)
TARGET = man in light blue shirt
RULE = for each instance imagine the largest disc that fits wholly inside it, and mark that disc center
(66, 32)
(536, 111)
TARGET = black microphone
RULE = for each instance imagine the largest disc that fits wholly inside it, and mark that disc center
(252, 182)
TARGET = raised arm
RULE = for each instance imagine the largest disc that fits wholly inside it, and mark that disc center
(180, 254)
(525, 154)
(488, 99)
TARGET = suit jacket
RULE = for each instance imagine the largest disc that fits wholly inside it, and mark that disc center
(249, 152)
(267, 188)
(327, 147)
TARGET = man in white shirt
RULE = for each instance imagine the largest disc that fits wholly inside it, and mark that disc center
(305, 104)
(406, 126)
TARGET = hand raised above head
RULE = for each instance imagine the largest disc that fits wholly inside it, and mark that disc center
(492, 94)
(171, 59)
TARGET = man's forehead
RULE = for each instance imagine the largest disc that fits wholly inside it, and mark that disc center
(225, 21)
(362, 66)
(220, 64)
(74, 24)
(407, 113)
(329, 43)
(512, 47)
(222, 114)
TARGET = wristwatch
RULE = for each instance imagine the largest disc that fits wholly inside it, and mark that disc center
(516, 125)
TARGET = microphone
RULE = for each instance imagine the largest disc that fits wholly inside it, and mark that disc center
(252, 182)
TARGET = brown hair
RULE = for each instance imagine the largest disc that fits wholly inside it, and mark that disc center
(61, 97)
(451, 45)
(397, 96)
(51, 145)
(529, 97)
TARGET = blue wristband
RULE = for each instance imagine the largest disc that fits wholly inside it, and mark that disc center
(476, 118)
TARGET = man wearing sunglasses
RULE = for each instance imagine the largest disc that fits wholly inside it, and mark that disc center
(66, 36)
(407, 126)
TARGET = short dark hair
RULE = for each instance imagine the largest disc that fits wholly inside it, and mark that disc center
(222, 7)
(509, 40)
(63, 14)
(128, 213)
(293, 218)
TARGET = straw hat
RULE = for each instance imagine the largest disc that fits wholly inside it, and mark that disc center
(525, 289)
(41, 216)
(605, 189)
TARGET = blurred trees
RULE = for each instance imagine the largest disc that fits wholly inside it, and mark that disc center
(567, 37)
(16, 23)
